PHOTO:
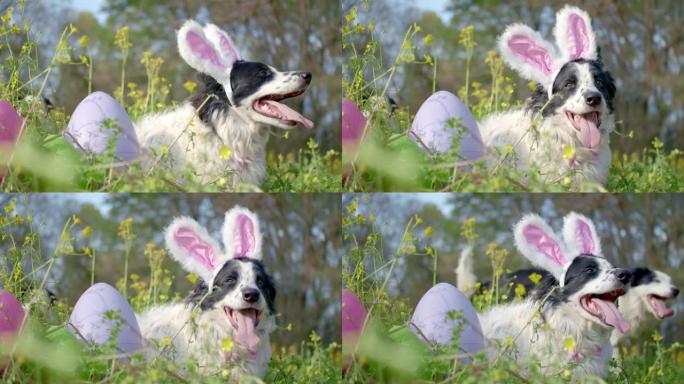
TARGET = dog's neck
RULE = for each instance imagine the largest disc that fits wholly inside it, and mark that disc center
(590, 338)
(245, 138)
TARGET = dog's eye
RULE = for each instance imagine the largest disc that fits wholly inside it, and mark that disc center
(230, 280)
(260, 281)
(569, 85)
(599, 83)
(590, 269)
(263, 73)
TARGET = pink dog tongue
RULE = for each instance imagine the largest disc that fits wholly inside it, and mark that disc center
(660, 308)
(288, 113)
(246, 334)
(589, 132)
(611, 315)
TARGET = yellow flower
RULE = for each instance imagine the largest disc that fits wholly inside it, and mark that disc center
(192, 278)
(84, 41)
(428, 232)
(569, 344)
(166, 341)
(227, 344)
(225, 152)
(190, 86)
(87, 231)
(568, 152)
(535, 278)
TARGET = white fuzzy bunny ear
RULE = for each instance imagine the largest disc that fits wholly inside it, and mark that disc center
(529, 54)
(580, 235)
(192, 246)
(574, 34)
(223, 43)
(199, 52)
(241, 234)
(537, 242)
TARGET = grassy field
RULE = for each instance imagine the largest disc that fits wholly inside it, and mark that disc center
(388, 160)
(46, 353)
(387, 355)
(44, 161)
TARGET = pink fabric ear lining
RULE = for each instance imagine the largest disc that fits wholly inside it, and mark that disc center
(197, 248)
(533, 54)
(580, 37)
(203, 50)
(228, 47)
(245, 242)
(583, 233)
(544, 243)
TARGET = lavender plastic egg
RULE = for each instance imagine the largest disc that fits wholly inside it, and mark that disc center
(89, 318)
(11, 316)
(88, 128)
(10, 124)
(431, 318)
(431, 125)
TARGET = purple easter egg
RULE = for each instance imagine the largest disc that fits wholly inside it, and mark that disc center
(10, 124)
(353, 314)
(430, 320)
(11, 316)
(431, 126)
(87, 129)
(89, 318)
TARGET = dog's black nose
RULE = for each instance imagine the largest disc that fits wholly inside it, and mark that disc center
(623, 275)
(306, 76)
(592, 98)
(250, 295)
(675, 292)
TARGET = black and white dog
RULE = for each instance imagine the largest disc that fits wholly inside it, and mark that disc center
(221, 132)
(576, 302)
(564, 128)
(648, 292)
(233, 304)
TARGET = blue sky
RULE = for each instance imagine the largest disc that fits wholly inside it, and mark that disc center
(432, 5)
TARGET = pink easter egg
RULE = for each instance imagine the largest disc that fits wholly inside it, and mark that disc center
(431, 126)
(87, 127)
(88, 321)
(353, 314)
(353, 126)
(11, 316)
(431, 318)
(10, 124)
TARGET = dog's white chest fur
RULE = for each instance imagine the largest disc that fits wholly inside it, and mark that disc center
(192, 143)
(542, 146)
(201, 340)
(545, 340)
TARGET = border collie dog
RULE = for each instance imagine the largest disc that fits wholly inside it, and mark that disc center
(230, 114)
(233, 303)
(648, 292)
(572, 106)
(578, 302)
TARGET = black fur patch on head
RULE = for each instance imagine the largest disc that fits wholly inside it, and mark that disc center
(583, 269)
(642, 276)
(217, 99)
(248, 77)
(511, 280)
(561, 90)
(228, 278)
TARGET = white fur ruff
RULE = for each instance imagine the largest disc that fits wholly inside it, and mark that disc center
(195, 145)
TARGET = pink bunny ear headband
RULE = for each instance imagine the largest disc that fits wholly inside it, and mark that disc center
(539, 244)
(192, 246)
(536, 59)
(209, 50)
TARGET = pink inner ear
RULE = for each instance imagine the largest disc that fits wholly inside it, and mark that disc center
(580, 37)
(533, 54)
(544, 243)
(583, 233)
(245, 242)
(197, 248)
(203, 49)
(227, 46)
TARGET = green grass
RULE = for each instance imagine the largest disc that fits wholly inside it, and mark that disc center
(45, 352)
(45, 161)
(388, 160)
(385, 354)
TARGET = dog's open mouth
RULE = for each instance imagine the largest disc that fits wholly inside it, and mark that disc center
(245, 322)
(603, 306)
(587, 125)
(657, 303)
(270, 106)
